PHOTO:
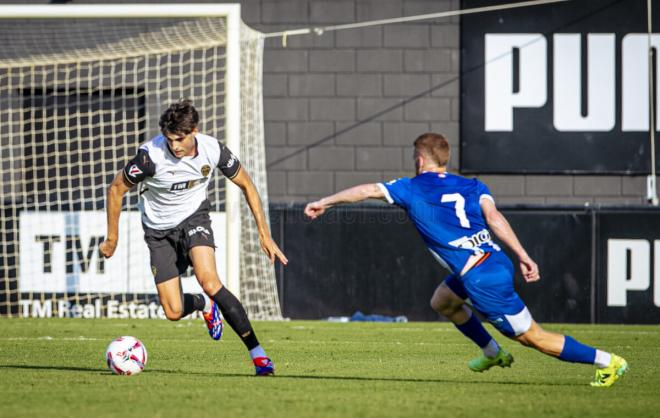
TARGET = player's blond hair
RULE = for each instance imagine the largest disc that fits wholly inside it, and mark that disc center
(433, 146)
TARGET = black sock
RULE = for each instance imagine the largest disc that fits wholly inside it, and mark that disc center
(235, 315)
(192, 303)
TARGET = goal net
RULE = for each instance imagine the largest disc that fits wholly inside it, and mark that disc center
(77, 97)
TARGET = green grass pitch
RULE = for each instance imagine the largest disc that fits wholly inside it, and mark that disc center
(55, 367)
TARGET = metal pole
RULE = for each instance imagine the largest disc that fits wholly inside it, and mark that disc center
(651, 189)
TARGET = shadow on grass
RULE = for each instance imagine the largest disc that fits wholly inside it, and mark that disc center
(414, 380)
(302, 377)
(58, 368)
(373, 379)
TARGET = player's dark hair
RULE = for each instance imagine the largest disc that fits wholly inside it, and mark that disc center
(179, 118)
(434, 146)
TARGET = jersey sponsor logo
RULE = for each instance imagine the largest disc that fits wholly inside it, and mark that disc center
(180, 186)
(134, 171)
(474, 241)
(184, 185)
(206, 169)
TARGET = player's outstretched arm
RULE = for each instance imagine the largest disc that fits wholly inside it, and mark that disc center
(116, 192)
(242, 179)
(501, 228)
(355, 194)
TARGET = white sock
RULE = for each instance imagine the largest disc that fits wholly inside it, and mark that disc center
(603, 359)
(207, 303)
(491, 349)
(257, 352)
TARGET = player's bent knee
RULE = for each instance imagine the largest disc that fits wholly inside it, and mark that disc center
(448, 310)
(437, 304)
(209, 282)
(444, 305)
(445, 301)
(173, 313)
(210, 286)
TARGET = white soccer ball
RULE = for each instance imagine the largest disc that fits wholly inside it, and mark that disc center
(126, 356)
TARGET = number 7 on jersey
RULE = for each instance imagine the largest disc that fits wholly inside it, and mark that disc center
(459, 207)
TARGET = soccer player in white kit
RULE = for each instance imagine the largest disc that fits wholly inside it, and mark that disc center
(174, 169)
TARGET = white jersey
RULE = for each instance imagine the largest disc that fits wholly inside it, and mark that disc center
(174, 188)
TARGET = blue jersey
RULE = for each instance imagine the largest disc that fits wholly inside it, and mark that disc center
(445, 209)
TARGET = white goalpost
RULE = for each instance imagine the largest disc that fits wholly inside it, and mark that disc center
(81, 87)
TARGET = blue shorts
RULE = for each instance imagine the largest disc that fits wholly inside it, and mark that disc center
(489, 286)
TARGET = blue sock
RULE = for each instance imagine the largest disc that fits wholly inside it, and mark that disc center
(576, 352)
(475, 331)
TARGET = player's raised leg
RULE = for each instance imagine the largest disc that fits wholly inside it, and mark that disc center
(449, 301)
(166, 265)
(203, 260)
(610, 366)
(176, 304)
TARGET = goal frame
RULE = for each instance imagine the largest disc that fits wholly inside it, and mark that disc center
(232, 14)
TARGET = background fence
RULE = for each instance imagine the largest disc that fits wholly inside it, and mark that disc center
(598, 265)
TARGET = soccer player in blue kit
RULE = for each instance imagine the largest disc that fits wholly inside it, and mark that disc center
(455, 217)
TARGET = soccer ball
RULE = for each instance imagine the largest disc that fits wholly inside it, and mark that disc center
(126, 356)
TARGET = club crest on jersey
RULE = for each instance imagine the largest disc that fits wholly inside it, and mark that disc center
(134, 171)
(206, 169)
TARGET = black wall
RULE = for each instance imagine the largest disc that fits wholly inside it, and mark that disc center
(535, 144)
(352, 259)
(639, 227)
(370, 258)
